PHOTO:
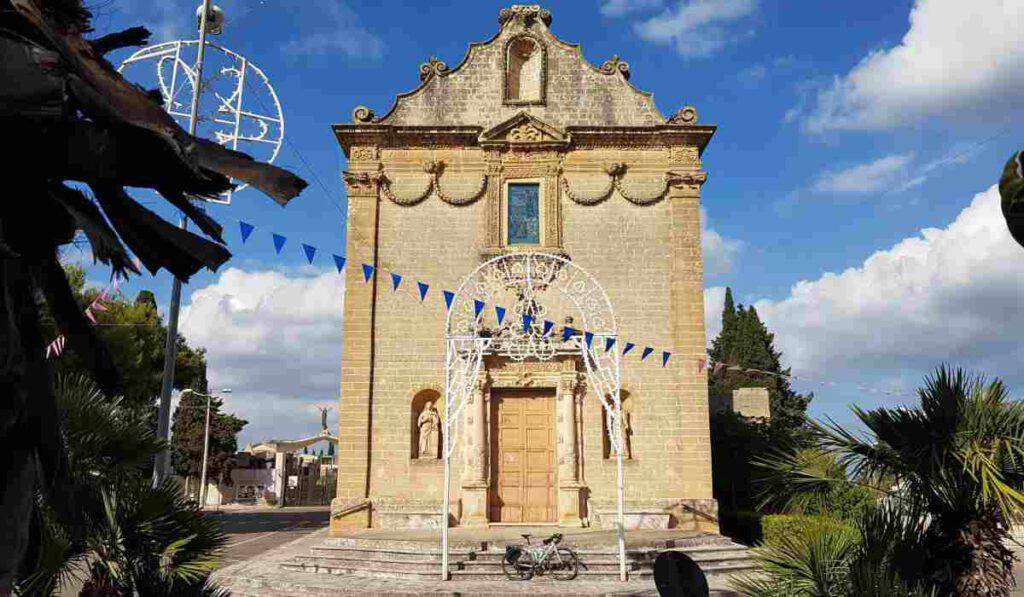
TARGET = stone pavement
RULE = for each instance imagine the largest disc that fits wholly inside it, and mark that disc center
(262, 576)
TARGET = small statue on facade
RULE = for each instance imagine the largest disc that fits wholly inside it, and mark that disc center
(323, 416)
(429, 425)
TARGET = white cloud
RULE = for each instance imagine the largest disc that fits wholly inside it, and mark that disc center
(698, 28)
(275, 340)
(958, 60)
(954, 294)
(719, 252)
(336, 30)
(617, 8)
(870, 177)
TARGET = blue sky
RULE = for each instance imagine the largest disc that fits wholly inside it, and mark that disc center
(845, 129)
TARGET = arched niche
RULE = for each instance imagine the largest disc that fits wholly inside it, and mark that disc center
(628, 420)
(525, 67)
(421, 422)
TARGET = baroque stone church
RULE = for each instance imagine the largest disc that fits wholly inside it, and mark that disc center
(525, 147)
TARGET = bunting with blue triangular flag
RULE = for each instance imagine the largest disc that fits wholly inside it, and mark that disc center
(647, 352)
(310, 252)
(395, 280)
(499, 312)
(449, 296)
(629, 346)
(339, 262)
(608, 343)
(664, 358)
(527, 323)
(423, 290)
(589, 338)
(478, 307)
(548, 326)
(567, 333)
(246, 229)
(279, 242)
(367, 272)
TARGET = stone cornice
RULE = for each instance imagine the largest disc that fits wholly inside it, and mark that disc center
(383, 135)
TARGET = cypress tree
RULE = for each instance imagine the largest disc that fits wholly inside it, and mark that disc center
(745, 342)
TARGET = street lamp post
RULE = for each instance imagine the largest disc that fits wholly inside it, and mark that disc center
(206, 443)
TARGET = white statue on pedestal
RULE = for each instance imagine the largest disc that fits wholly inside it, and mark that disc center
(429, 425)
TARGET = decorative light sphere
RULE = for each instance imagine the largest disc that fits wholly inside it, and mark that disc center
(214, 19)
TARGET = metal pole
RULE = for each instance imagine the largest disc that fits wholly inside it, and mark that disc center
(447, 498)
(162, 464)
(206, 453)
(621, 525)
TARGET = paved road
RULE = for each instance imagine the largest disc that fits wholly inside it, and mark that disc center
(253, 531)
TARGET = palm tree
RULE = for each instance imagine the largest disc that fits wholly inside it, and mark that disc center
(122, 536)
(953, 469)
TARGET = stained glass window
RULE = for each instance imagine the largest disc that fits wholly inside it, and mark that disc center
(524, 214)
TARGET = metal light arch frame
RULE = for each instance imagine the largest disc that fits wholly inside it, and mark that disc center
(467, 341)
(231, 105)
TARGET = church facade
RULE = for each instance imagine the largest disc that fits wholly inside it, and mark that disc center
(523, 148)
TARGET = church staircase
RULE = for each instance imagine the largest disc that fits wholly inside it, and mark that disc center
(717, 556)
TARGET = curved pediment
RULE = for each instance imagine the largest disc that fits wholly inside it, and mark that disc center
(524, 69)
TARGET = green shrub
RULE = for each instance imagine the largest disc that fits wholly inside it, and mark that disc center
(776, 527)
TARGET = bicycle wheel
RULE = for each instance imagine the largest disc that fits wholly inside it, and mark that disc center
(516, 570)
(568, 566)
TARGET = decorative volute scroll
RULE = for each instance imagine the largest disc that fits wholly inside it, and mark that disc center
(525, 14)
(684, 115)
(362, 114)
(431, 68)
(614, 65)
(616, 182)
(434, 169)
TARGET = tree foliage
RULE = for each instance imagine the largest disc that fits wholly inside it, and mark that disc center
(188, 429)
(747, 343)
(134, 334)
(108, 526)
(737, 441)
(953, 473)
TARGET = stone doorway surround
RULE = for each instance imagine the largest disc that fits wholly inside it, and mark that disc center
(561, 374)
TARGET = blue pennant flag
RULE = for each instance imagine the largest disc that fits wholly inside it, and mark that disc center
(500, 313)
(423, 290)
(567, 332)
(589, 337)
(647, 352)
(310, 252)
(629, 347)
(608, 343)
(395, 281)
(449, 296)
(478, 307)
(279, 243)
(339, 262)
(246, 229)
(548, 326)
(367, 272)
(527, 323)
(664, 358)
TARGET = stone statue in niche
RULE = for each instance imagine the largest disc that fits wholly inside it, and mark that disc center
(429, 425)
(627, 435)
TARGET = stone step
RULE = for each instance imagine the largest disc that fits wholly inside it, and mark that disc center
(483, 571)
(392, 554)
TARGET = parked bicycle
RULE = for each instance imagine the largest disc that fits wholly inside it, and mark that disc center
(521, 562)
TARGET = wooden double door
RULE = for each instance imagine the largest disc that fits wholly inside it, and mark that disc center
(523, 472)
